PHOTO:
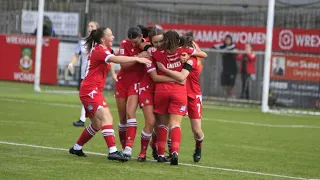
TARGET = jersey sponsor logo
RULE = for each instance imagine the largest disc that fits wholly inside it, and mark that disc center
(174, 65)
(122, 51)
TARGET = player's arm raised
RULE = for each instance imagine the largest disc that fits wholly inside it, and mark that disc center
(125, 59)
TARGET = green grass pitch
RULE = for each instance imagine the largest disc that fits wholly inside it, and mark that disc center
(239, 143)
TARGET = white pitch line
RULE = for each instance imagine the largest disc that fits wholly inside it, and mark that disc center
(183, 164)
(263, 125)
(139, 112)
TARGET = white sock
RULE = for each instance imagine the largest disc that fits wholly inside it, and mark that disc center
(112, 149)
(127, 150)
(77, 147)
(83, 114)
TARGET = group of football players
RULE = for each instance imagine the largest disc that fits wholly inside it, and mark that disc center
(159, 73)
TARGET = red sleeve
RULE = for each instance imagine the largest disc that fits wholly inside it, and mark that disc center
(195, 62)
(123, 48)
(151, 67)
(104, 55)
(189, 50)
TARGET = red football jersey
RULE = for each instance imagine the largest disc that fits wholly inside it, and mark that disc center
(135, 71)
(97, 67)
(193, 84)
(172, 62)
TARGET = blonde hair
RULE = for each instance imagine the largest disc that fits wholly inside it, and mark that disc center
(94, 22)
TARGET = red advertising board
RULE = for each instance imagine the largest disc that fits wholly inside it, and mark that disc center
(298, 68)
(17, 59)
(291, 40)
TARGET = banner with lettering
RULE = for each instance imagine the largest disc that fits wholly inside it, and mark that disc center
(17, 59)
(295, 80)
(289, 40)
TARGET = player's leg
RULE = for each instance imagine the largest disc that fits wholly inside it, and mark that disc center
(162, 136)
(195, 115)
(177, 109)
(132, 105)
(82, 119)
(90, 130)
(85, 136)
(153, 142)
(104, 115)
(161, 105)
(120, 93)
(147, 131)
(122, 126)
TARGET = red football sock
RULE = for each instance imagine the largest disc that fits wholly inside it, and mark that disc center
(131, 132)
(86, 135)
(175, 138)
(145, 138)
(154, 140)
(108, 135)
(122, 129)
(162, 137)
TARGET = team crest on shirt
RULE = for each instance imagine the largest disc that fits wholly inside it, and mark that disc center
(183, 108)
(89, 108)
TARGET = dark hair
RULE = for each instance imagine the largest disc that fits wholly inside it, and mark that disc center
(170, 41)
(144, 30)
(134, 32)
(94, 37)
(186, 41)
(154, 31)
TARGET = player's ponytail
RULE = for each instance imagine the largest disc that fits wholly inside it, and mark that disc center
(94, 38)
(170, 41)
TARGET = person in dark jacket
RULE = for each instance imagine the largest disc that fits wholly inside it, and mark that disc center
(229, 65)
(247, 69)
(47, 28)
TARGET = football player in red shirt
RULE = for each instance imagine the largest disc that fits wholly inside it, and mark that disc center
(99, 43)
(146, 95)
(171, 98)
(126, 89)
(194, 94)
